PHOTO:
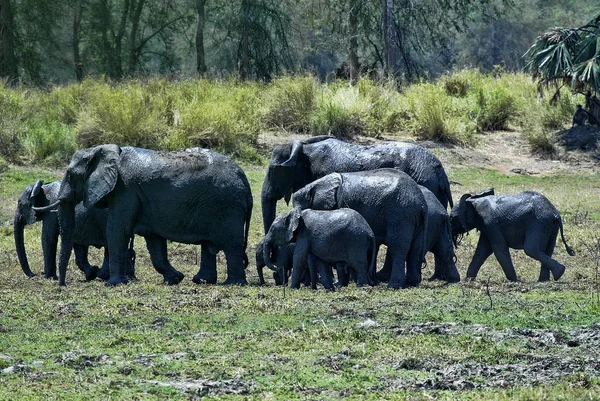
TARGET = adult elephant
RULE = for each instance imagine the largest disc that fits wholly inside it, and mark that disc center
(195, 196)
(90, 224)
(294, 165)
(392, 204)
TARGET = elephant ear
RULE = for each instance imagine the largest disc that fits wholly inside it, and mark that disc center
(103, 172)
(37, 188)
(486, 192)
(464, 208)
(296, 147)
(293, 223)
(325, 193)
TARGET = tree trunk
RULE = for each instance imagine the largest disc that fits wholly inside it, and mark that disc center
(389, 38)
(78, 15)
(133, 48)
(8, 59)
(200, 60)
(353, 48)
(245, 45)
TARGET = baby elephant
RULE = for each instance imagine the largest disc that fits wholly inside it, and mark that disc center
(525, 221)
(324, 238)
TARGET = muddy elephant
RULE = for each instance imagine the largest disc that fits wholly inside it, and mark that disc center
(194, 197)
(90, 225)
(281, 256)
(324, 238)
(297, 164)
(392, 204)
(527, 221)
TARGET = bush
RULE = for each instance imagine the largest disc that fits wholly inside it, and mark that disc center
(541, 143)
(340, 111)
(50, 143)
(290, 102)
(12, 123)
(495, 108)
(455, 85)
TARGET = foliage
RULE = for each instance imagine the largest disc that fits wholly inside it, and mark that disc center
(567, 56)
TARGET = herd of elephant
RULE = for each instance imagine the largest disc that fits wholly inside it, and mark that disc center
(348, 199)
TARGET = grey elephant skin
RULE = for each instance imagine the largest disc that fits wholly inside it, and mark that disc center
(195, 197)
(297, 164)
(392, 204)
(323, 238)
(281, 256)
(90, 225)
(525, 221)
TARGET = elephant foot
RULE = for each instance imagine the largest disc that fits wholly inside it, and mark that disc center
(557, 273)
(434, 277)
(199, 280)
(396, 284)
(331, 289)
(235, 281)
(382, 276)
(173, 278)
(51, 276)
(116, 280)
(91, 273)
(103, 274)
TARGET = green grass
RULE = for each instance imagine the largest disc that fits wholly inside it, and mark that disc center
(87, 341)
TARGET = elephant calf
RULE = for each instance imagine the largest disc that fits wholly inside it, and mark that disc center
(324, 238)
(525, 221)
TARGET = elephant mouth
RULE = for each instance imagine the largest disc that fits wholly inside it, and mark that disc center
(457, 239)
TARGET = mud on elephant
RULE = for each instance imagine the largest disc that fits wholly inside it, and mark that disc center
(324, 238)
(297, 164)
(527, 221)
(195, 196)
(90, 226)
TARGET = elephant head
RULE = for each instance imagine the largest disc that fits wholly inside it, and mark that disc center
(282, 232)
(90, 178)
(464, 216)
(31, 197)
(289, 170)
(322, 194)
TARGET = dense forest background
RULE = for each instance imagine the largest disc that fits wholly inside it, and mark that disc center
(46, 42)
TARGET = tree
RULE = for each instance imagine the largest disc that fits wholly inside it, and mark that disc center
(8, 60)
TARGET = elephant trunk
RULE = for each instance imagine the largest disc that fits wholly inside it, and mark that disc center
(267, 254)
(269, 206)
(67, 227)
(19, 233)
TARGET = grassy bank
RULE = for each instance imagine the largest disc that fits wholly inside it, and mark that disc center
(47, 126)
(482, 340)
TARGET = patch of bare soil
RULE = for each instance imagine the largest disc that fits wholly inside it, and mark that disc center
(507, 151)
(555, 354)
(210, 388)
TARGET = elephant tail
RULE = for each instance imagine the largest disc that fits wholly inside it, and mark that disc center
(445, 187)
(425, 212)
(247, 229)
(570, 250)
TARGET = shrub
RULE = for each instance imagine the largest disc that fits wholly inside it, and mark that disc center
(50, 143)
(541, 143)
(12, 123)
(340, 111)
(455, 85)
(495, 108)
(289, 103)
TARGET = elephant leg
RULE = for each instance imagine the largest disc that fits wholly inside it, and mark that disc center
(104, 272)
(314, 268)
(414, 259)
(298, 264)
(532, 249)
(119, 230)
(50, 234)
(362, 278)
(130, 266)
(236, 272)
(502, 254)
(386, 270)
(342, 275)
(482, 252)
(157, 247)
(325, 271)
(81, 260)
(398, 274)
(208, 267)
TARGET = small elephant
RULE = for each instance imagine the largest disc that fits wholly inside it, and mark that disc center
(324, 238)
(90, 231)
(393, 206)
(282, 256)
(525, 221)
